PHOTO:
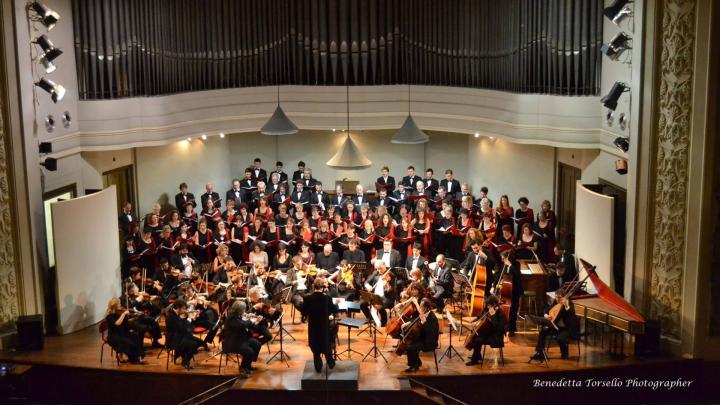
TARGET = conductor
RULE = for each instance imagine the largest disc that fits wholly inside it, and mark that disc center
(318, 307)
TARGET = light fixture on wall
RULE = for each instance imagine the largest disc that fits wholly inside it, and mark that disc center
(222, 135)
(622, 143)
(48, 163)
(49, 123)
(610, 117)
(56, 91)
(50, 53)
(44, 15)
(616, 46)
(611, 99)
(622, 121)
(66, 119)
(409, 133)
(349, 156)
(621, 166)
(279, 123)
(204, 137)
(477, 134)
(618, 11)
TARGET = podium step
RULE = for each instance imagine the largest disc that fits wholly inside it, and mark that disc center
(343, 377)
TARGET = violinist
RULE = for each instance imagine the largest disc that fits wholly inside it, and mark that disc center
(259, 278)
(179, 334)
(565, 327)
(146, 312)
(237, 337)
(222, 265)
(120, 336)
(236, 289)
(492, 335)
(184, 260)
(262, 308)
(345, 281)
(428, 338)
(380, 283)
(206, 315)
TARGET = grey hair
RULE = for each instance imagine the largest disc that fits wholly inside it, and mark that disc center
(237, 309)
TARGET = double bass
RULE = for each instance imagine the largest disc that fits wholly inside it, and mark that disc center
(477, 301)
(503, 290)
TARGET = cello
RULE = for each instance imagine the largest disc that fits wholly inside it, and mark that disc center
(408, 311)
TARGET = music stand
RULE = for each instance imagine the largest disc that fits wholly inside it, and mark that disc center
(374, 324)
(450, 349)
(371, 299)
(350, 323)
(401, 274)
(462, 281)
(285, 293)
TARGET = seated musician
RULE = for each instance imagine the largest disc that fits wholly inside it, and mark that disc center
(344, 281)
(147, 308)
(258, 278)
(380, 283)
(416, 282)
(353, 254)
(261, 307)
(327, 259)
(222, 265)
(429, 335)
(443, 287)
(235, 291)
(120, 336)
(179, 333)
(184, 260)
(163, 277)
(237, 338)
(565, 327)
(196, 300)
(493, 335)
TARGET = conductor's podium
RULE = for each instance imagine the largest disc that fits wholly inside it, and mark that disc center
(343, 377)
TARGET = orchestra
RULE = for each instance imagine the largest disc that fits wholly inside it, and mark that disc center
(216, 269)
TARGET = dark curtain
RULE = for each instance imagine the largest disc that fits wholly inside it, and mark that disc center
(129, 48)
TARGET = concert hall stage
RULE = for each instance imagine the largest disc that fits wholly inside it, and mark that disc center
(72, 364)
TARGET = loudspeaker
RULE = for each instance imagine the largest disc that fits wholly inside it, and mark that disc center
(30, 332)
(648, 344)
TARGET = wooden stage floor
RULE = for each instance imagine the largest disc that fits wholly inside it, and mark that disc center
(82, 349)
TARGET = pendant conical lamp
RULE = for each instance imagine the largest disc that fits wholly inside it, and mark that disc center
(279, 123)
(409, 133)
(349, 155)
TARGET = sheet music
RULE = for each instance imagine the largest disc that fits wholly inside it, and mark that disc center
(526, 271)
(376, 318)
(451, 319)
(341, 303)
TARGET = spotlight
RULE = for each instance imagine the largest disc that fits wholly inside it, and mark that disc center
(616, 46)
(56, 91)
(66, 119)
(45, 148)
(204, 137)
(49, 123)
(492, 138)
(222, 135)
(477, 134)
(50, 164)
(333, 129)
(610, 117)
(46, 16)
(618, 11)
(622, 121)
(50, 53)
(189, 139)
(621, 166)
(611, 99)
(622, 143)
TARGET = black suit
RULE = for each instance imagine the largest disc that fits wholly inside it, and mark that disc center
(328, 263)
(297, 175)
(455, 186)
(259, 175)
(317, 307)
(389, 183)
(215, 198)
(358, 256)
(283, 177)
(309, 183)
(432, 185)
(387, 203)
(124, 221)
(176, 261)
(237, 196)
(411, 182)
(180, 337)
(322, 197)
(568, 328)
(568, 261)
(395, 259)
(180, 201)
(494, 337)
(365, 200)
(237, 339)
(468, 266)
(443, 284)
(304, 196)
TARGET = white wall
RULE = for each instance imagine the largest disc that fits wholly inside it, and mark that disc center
(513, 169)
(161, 169)
(594, 164)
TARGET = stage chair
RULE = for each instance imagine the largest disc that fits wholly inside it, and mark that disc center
(229, 356)
(103, 329)
(529, 302)
(499, 347)
(553, 338)
(434, 352)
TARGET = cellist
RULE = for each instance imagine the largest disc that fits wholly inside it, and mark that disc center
(492, 335)
(429, 334)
